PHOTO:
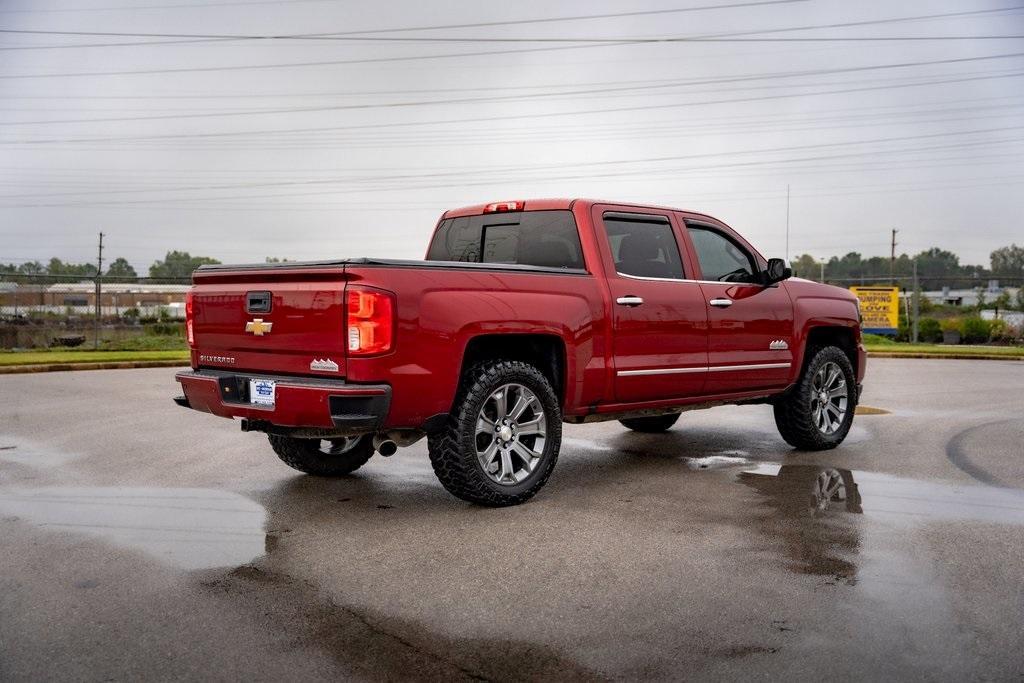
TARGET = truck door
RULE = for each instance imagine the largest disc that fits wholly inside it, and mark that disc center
(659, 318)
(750, 334)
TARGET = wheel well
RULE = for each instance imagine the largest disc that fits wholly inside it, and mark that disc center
(841, 337)
(544, 351)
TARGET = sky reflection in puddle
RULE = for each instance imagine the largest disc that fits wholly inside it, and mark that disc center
(188, 528)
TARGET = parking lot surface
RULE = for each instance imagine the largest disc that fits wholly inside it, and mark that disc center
(143, 541)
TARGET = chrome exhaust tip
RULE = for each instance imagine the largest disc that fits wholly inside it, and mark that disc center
(384, 446)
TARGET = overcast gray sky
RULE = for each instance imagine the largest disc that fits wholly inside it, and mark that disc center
(353, 141)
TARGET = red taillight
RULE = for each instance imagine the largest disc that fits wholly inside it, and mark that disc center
(371, 322)
(503, 207)
(189, 332)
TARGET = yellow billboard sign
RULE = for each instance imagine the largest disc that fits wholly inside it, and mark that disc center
(879, 308)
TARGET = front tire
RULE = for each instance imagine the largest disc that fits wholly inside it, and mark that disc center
(501, 441)
(816, 415)
(651, 425)
(323, 457)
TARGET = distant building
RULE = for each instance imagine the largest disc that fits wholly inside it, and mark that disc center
(80, 298)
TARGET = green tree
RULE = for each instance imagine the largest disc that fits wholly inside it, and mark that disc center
(178, 265)
(120, 267)
(58, 267)
(32, 268)
(1008, 261)
(937, 262)
(806, 266)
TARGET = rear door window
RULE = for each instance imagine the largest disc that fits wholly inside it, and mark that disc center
(533, 238)
(643, 246)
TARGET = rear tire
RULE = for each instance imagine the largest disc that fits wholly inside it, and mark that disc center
(501, 440)
(323, 457)
(816, 415)
(651, 425)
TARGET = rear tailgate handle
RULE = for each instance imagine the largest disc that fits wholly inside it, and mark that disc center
(721, 303)
(629, 300)
(257, 302)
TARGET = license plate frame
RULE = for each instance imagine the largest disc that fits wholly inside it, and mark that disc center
(262, 392)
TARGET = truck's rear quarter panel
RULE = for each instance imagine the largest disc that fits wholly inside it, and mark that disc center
(440, 310)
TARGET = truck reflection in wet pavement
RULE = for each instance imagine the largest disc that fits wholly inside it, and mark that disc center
(809, 511)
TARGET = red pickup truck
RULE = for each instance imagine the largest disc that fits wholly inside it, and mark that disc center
(523, 316)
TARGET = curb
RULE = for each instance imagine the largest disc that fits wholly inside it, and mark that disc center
(110, 365)
(944, 356)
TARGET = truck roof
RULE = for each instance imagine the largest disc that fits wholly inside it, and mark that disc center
(556, 205)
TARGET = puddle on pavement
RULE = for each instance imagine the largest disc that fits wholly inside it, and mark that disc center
(188, 528)
(723, 459)
(817, 512)
(23, 452)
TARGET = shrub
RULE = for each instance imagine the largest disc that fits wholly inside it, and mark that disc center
(929, 330)
(976, 330)
(1000, 331)
(950, 325)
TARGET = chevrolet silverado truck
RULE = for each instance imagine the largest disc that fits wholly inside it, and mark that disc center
(524, 315)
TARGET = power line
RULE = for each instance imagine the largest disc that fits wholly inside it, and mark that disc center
(193, 37)
(367, 35)
(118, 8)
(541, 167)
(369, 60)
(498, 98)
(544, 115)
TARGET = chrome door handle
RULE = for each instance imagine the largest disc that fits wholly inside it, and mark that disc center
(629, 301)
(721, 303)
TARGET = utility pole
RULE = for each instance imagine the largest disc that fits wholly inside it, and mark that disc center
(821, 262)
(787, 224)
(892, 258)
(917, 306)
(99, 293)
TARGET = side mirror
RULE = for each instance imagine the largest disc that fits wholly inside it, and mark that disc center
(775, 272)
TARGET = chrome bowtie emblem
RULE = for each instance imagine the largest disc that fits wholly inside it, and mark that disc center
(323, 364)
(258, 327)
(778, 345)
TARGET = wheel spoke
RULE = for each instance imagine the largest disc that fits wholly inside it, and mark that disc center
(484, 425)
(500, 398)
(839, 391)
(522, 403)
(506, 466)
(532, 427)
(526, 454)
(487, 456)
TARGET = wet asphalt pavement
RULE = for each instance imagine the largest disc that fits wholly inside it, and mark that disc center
(142, 541)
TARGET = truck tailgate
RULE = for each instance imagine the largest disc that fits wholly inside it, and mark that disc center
(263, 321)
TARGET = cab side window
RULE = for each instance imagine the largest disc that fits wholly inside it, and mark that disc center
(643, 247)
(721, 259)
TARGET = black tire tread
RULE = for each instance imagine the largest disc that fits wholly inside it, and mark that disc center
(793, 411)
(304, 455)
(452, 450)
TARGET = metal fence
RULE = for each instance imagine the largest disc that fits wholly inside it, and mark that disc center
(38, 311)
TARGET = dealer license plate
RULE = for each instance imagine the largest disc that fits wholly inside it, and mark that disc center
(261, 391)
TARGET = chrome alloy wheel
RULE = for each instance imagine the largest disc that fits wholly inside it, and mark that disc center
(828, 487)
(829, 398)
(511, 431)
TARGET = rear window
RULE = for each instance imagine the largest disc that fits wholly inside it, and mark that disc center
(532, 238)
